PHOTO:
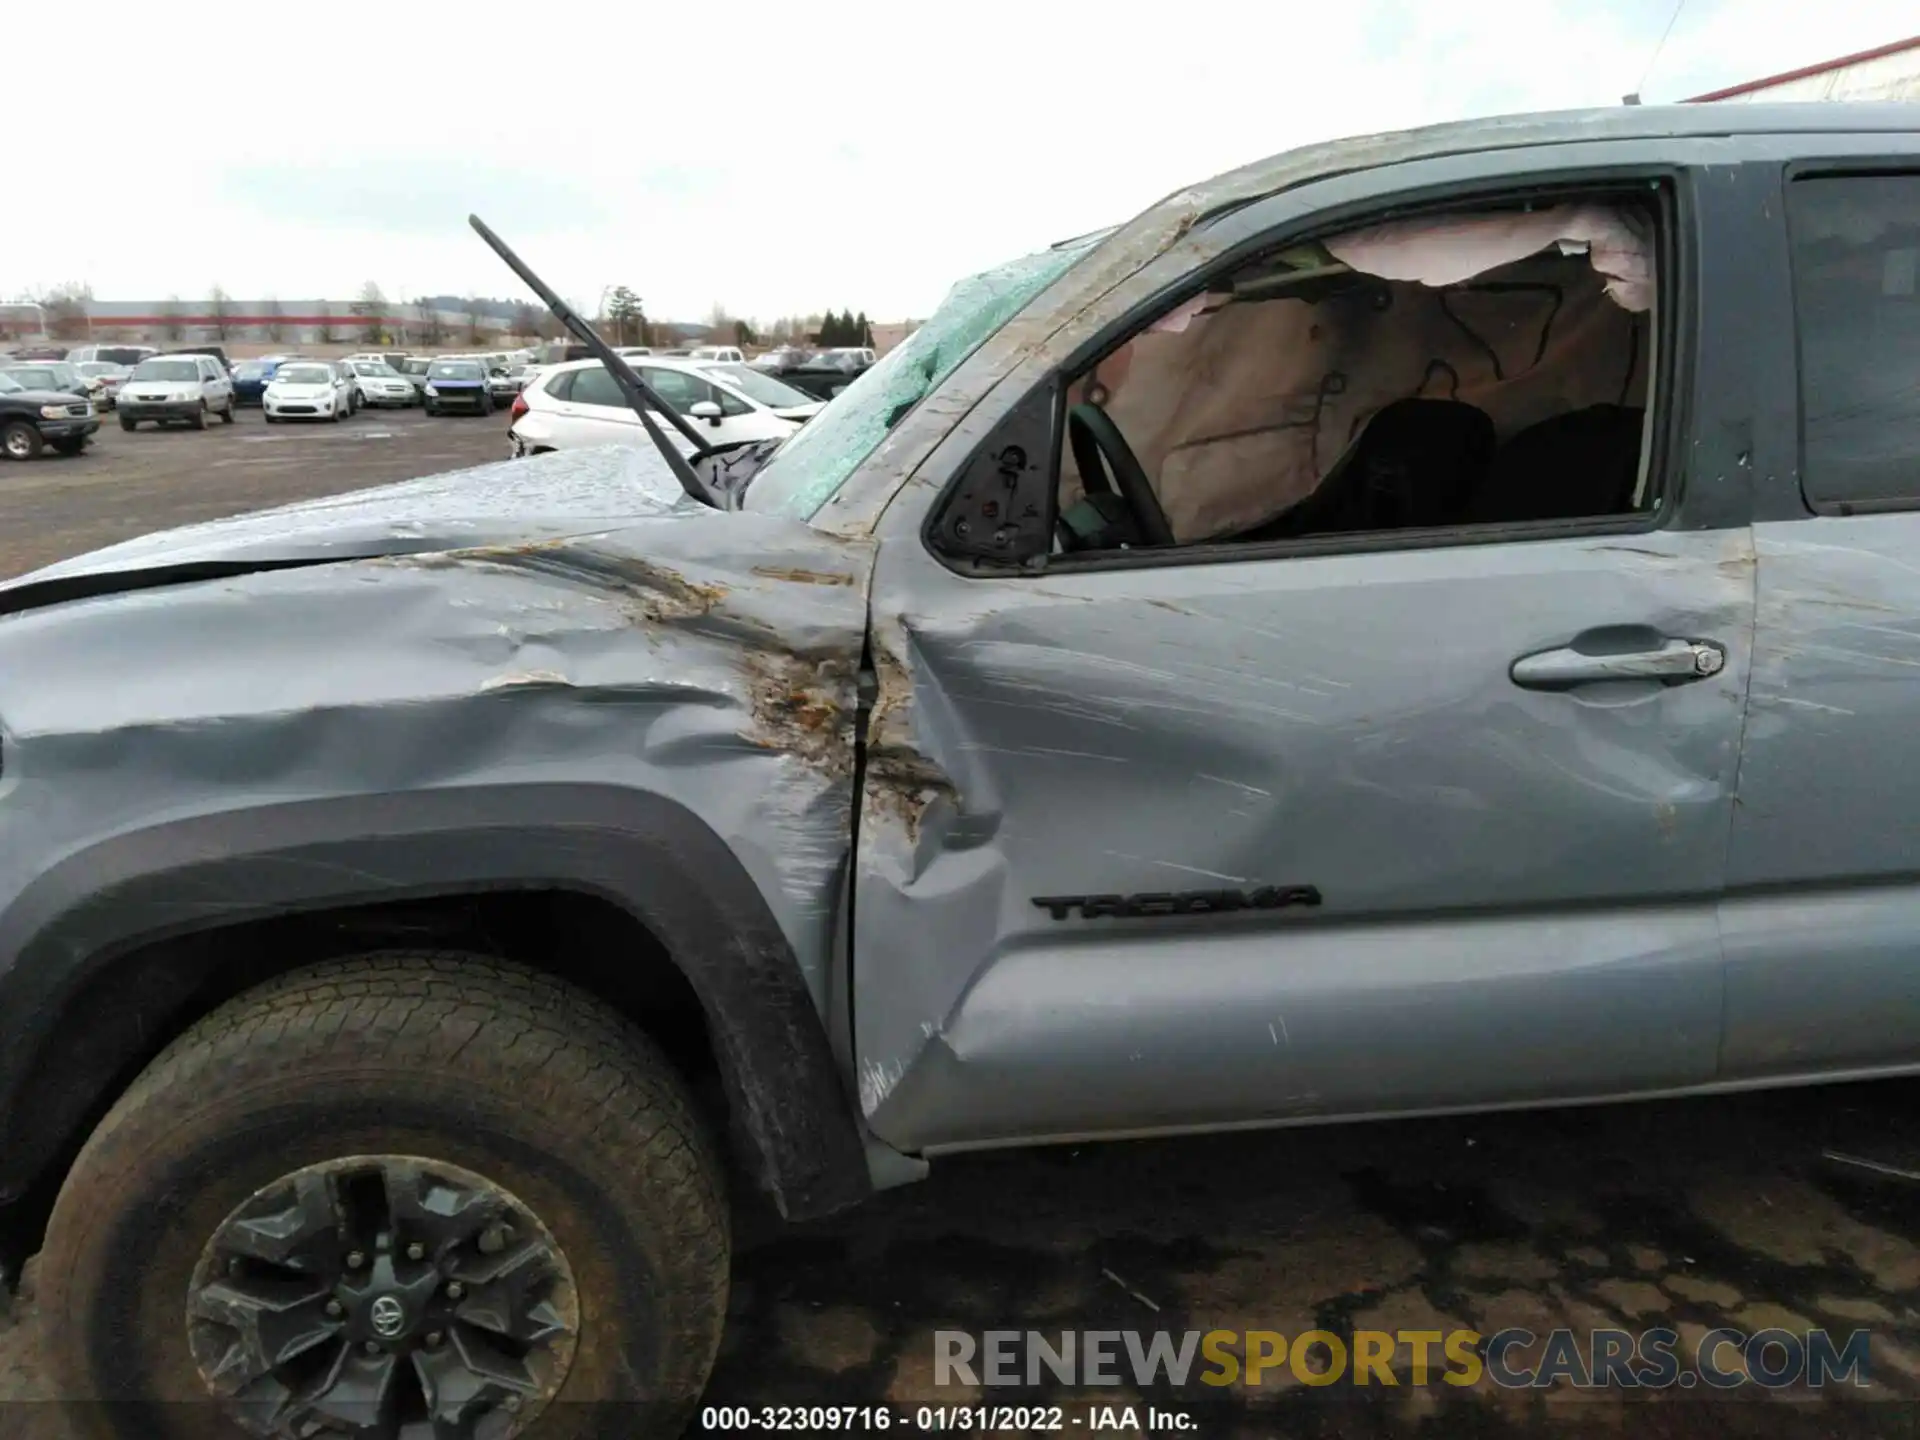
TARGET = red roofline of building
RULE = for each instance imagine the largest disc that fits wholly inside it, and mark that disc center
(240, 322)
(344, 324)
(1748, 86)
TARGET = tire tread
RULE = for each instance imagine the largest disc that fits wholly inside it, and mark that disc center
(593, 1077)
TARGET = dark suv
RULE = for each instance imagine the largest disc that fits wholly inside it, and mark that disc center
(31, 420)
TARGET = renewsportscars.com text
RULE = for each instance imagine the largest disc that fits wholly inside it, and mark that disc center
(1653, 1359)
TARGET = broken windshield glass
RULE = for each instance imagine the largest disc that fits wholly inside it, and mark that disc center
(813, 464)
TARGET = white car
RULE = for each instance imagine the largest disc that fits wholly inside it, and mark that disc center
(308, 390)
(176, 387)
(727, 354)
(390, 358)
(578, 404)
(378, 383)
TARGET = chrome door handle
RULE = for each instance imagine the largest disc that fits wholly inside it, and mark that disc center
(1674, 661)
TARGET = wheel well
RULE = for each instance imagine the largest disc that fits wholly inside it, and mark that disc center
(133, 1008)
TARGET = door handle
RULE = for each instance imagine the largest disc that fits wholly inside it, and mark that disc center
(1674, 661)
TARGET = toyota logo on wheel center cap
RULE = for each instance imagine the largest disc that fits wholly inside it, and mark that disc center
(388, 1317)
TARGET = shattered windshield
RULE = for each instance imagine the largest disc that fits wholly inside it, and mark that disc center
(817, 460)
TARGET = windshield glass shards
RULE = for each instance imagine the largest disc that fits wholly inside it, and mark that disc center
(816, 461)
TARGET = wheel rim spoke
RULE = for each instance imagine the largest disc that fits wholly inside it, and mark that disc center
(270, 1327)
(508, 1299)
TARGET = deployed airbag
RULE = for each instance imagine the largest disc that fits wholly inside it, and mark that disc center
(1454, 248)
(1239, 408)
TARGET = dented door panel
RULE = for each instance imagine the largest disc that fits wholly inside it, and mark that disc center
(1823, 948)
(1517, 886)
(1111, 1032)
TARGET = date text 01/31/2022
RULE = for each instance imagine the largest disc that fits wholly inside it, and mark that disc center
(1018, 1419)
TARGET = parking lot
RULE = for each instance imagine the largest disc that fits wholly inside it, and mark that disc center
(1693, 1214)
(128, 484)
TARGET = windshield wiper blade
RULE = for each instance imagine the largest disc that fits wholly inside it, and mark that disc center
(640, 395)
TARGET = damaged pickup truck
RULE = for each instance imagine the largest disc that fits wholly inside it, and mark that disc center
(1423, 623)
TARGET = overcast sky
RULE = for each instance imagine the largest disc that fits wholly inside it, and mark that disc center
(774, 158)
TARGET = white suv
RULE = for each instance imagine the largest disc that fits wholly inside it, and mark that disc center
(378, 383)
(579, 404)
(176, 387)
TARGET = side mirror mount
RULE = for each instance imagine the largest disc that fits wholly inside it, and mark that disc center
(705, 410)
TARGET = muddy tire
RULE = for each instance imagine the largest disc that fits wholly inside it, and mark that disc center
(400, 1094)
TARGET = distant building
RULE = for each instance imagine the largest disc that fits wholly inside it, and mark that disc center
(22, 321)
(1888, 72)
(299, 322)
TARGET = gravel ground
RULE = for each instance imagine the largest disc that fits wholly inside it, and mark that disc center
(127, 484)
(1688, 1214)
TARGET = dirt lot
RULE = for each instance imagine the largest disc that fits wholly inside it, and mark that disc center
(1692, 1215)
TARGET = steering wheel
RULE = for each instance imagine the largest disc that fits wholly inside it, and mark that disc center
(1098, 446)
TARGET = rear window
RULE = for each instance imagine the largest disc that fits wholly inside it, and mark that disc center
(1856, 298)
(764, 388)
(596, 387)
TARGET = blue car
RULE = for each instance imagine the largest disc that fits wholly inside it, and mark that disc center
(250, 378)
(458, 385)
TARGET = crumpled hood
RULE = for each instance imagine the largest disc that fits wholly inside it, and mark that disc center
(542, 497)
